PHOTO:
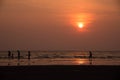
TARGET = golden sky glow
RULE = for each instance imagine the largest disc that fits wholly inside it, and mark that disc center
(54, 24)
(82, 20)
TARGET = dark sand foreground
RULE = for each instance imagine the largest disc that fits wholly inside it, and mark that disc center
(60, 72)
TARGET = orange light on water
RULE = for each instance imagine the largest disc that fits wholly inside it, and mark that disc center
(81, 61)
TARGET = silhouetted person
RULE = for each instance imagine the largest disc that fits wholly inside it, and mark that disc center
(12, 56)
(90, 54)
(18, 54)
(29, 55)
(9, 54)
(9, 57)
(90, 57)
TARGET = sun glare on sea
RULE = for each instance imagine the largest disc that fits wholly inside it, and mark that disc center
(81, 61)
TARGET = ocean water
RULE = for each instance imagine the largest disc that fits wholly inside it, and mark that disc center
(60, 58)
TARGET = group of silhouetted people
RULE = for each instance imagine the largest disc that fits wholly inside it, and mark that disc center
(11, 55)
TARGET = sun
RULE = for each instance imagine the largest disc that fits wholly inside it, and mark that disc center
(80, 25)
(81, 21)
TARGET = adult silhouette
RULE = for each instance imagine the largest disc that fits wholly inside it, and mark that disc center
(90, 57)
(18, 54)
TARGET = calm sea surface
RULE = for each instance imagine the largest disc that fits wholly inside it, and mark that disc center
(60, 58)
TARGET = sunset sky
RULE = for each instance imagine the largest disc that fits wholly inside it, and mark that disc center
(60, 24)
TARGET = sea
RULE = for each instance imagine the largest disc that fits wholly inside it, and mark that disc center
(31, 58)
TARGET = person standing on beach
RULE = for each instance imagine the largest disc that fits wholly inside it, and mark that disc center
(90, 54)
(29, 55)
(18, 54)
(90, 57)
(9, 57)
(9, 54)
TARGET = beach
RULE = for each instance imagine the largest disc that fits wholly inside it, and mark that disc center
(59, 58)
(60, 72)
(60, 65)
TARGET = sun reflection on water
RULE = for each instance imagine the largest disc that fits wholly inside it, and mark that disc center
(81, 61)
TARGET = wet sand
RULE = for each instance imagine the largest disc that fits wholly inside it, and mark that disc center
(60, 72)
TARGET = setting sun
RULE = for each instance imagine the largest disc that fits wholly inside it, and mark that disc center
(80, 25)
(81, 21)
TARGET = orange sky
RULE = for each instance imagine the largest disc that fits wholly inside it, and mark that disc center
(53, 25)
